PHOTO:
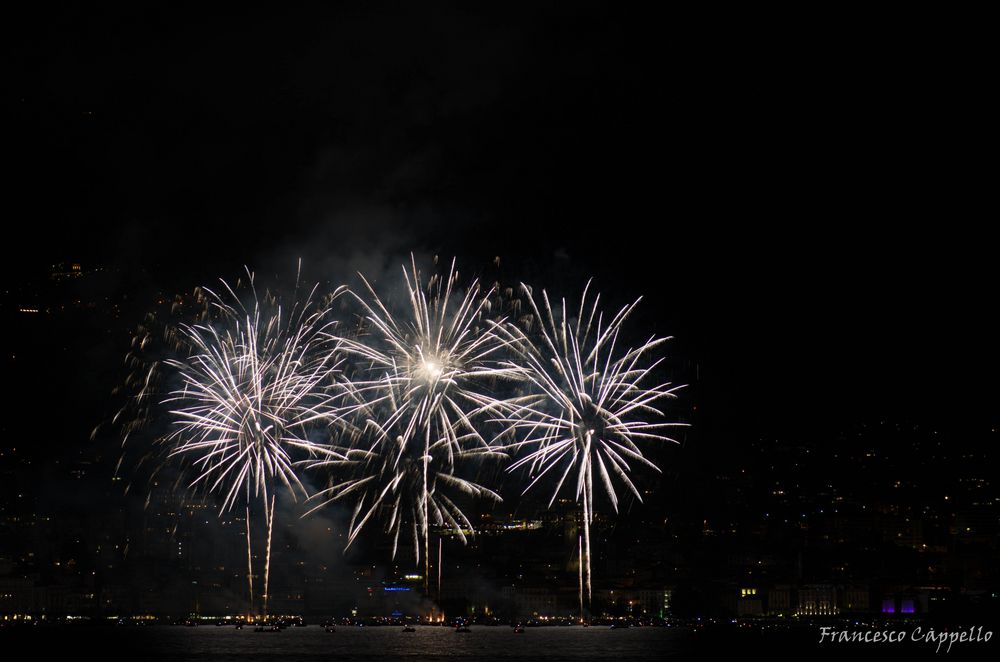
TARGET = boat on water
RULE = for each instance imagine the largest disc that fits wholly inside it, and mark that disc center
(409, 628)
(519, 629)
(267, 628)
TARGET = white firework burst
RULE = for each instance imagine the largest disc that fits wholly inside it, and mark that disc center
(591, 406)
(426, 380)
(408, 482)
(253, 383)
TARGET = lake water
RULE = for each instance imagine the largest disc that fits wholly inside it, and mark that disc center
(486, 644)
(349, 643)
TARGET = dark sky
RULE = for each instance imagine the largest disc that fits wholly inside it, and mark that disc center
(801, 207)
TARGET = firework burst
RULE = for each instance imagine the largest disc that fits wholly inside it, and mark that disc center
(426, 379)
(590, 406)
(258, 392)
(253, 381)
(409, 481)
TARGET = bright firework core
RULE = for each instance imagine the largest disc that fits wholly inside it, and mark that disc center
(429, 369)
(593, 423)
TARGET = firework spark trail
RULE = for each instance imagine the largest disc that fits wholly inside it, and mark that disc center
(267, 558)
(426, 382)
(579, 540)
(253, 383)
(384, 470)
(249, 557)
(590, 406)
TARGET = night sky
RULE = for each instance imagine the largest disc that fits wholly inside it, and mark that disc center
(798, 206)
(802, 201)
